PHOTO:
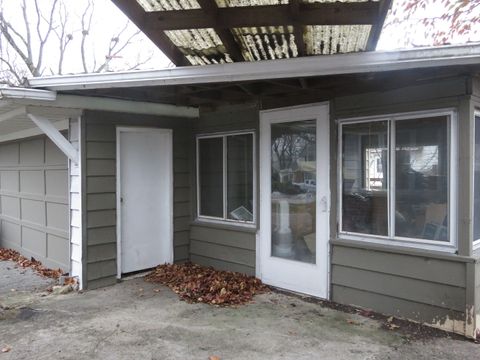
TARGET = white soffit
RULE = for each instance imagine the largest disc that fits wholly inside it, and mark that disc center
(353, 63)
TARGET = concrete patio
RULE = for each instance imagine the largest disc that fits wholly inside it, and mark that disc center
(138, 320)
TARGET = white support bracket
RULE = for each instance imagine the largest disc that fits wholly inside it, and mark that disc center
(55, 135)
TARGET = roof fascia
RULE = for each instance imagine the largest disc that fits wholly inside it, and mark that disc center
(272, 69)
(35, 97)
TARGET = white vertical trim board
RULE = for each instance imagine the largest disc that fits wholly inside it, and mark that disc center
(75, 200)
(476, 242)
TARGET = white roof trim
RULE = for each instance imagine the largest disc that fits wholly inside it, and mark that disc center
(17, 93)
(272, 69)
(35, 97)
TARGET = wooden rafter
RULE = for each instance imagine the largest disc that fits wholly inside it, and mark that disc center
(137, 15)
(297, 26)
(211, 9)
(377, 26)
(338, 13)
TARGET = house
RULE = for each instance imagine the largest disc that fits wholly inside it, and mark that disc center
(349, 176)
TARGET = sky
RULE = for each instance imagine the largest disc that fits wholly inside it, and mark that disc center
(108, 20)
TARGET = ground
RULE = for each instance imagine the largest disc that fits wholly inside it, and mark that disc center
(139, 320)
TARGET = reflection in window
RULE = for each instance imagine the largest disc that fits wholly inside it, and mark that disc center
(476, 185)
(240, 177)
(418, 206)
(421, 180)
(293, 193)
(365, 174)
(210, 167)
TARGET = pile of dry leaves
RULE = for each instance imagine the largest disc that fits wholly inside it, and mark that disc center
(22, 261)
(195, 283)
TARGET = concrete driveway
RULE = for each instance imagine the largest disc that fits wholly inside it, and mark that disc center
(139, 320)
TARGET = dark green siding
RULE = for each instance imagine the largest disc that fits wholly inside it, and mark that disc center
(100, 189)
(224, 247)
(415, 284)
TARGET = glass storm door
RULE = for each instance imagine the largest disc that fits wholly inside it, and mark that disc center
(295, 194)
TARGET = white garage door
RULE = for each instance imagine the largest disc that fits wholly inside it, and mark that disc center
(34, 200)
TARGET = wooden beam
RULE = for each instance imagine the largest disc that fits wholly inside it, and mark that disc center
(297, 26)
(55, 135)
(210, 7)
(377, 27)
(338, 13)
(137, 15)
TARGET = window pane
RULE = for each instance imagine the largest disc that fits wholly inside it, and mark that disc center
(240, 177)
(365, 178)
(210, 157)
(476, 186)
(293, 165)
(421, 178)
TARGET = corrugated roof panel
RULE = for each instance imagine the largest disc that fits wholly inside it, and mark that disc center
(332, 1)
(267, 42)
(200, 46)
(326, 40)
(165, 5)
(238, 3)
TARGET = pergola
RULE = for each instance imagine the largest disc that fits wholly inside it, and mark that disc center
(278, 35)
(201, 32)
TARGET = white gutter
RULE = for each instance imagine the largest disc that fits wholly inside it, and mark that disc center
(35, 97)
(15, 93)
(272, 69)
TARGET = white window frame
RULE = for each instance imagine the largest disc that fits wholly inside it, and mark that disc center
(224, 219)
(391, 239)
(476, 113)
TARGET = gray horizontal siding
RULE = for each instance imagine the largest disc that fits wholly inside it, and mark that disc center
(220, 246)
(100, 170)
(422, 289)
(223, 249)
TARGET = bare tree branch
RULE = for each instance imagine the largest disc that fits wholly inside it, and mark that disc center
(86, 26)
(42, 34)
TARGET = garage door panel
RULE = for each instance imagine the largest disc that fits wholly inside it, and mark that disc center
(34, 241)
(57, 216)
(9, 180)
(11, 233)
(53, 155)
(57, 248)
(9, 154)
(32, 152)
(10, 206)
(33, 211)
(55, 183)
(32, 182)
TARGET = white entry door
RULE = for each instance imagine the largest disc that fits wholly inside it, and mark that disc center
(295, 198)
(144, 198)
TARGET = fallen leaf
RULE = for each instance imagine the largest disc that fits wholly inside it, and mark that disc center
(393, 326)
(156, 290)
(194, 283)
(6, 349)
(22, 261)
(390, 319)
(213, 357)
(352, 322)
